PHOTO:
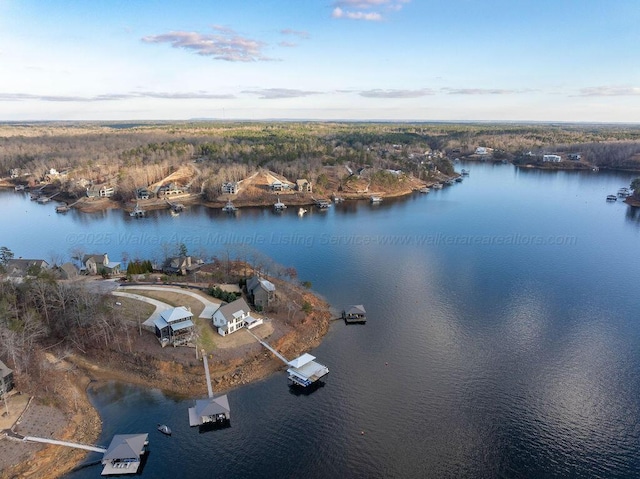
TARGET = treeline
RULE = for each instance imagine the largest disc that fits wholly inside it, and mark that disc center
(41, 312)
(136, 155)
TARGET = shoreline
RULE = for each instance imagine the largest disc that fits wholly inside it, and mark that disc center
(251, 364)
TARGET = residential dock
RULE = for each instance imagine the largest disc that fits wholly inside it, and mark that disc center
(355, 314)
(210, 412)
(123, 456)
(303, 371)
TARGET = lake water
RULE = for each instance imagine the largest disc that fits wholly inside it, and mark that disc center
(503, 333)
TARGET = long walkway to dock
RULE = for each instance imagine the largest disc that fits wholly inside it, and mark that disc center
(275, 353)
(65, 443)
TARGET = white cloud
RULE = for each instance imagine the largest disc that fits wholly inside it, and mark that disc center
(297, 33)
(224, 45)
(277, 93)
(610, 91)
(481, 91)
(368, 16)
(115, 96)
(361, 9)
(377, 93)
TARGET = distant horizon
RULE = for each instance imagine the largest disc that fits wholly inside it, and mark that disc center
(341, 60)
(316, 120)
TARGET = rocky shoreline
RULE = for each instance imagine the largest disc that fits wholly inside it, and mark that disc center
(182, 378)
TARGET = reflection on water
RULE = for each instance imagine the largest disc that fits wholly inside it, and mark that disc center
(479, 358)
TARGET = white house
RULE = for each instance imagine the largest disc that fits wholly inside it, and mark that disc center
(551, 159)
(234, 316)
(230, 187)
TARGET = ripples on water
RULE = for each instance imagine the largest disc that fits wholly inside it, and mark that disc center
(515, 360)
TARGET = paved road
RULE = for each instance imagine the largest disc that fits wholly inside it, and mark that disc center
(210, 305)
(160, 307)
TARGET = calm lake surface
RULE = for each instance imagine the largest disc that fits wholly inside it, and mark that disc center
(503, 337)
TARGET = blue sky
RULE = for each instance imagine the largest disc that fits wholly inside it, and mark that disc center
(518, 60)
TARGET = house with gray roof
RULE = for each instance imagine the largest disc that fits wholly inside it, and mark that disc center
(234, 316)
(98, 263)
(182, 265)
(68, 271)
(25, 268)
(6, 379)
(175, 326)
(261, 292)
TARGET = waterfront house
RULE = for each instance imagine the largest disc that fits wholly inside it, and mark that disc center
(277, 186)
(6, 379)
(551, 158)
(230, 187)
(261, 292)
(124, 453)
(234, 316)
(170, 190)
(100, 191)
(304, 185)
(175, 326)
(68, 271)
(93, 264)
(143, 194)
(19, 269)
(182, 265)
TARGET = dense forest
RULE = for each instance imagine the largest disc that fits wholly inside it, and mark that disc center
(136, 155)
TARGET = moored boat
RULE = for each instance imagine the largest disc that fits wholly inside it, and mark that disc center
(164, 429)
(301, 212)
(375, 199)
(612, 198)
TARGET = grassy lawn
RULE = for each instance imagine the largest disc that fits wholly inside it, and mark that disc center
(207, 337)
(174, 299)
(132, 310)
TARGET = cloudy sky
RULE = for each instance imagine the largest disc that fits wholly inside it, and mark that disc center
(519, 60)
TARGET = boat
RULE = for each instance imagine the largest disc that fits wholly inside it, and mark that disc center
(424, 190)
(279, 206)
(43, 199)
(437, 186)
(229, 208)
(458, 179)
(137, 212)
(375, 199)
(164, 429)
(624, 192)
(612, 198)
(338, 199)
(62, 208)
(301, 212)
(464, 172)
(19, 188)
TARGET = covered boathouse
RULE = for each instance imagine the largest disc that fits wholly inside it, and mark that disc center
(123, 456)
(355, 314)
(304, 371)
